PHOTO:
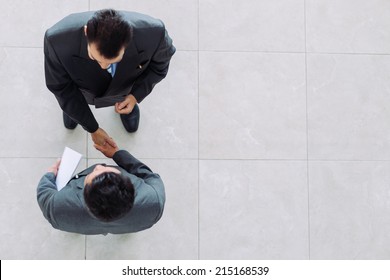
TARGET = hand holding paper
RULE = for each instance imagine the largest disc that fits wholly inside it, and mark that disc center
(69, 161)
(55, 167)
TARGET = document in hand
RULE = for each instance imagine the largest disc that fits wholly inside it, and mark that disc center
(69, 161)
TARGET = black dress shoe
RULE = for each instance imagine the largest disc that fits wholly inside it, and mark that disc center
(68, 122)
(131, 121)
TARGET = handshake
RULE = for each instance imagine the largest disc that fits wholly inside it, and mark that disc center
(104, 143)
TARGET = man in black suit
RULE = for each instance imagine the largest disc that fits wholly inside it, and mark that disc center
(105, 58)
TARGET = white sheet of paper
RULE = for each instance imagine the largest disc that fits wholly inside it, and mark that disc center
(69, 161)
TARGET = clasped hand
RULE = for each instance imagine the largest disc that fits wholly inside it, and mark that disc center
(104, 143)
(126, 106)
(101, 138)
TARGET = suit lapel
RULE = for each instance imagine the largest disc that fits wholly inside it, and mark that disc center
(89, 73)
(126, 71)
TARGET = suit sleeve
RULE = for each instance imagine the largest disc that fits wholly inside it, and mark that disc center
(46, 191)
(69, 97)
(157, 68)
(132, 165)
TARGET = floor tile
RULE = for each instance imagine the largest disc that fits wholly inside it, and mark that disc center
(349, 210)
(348, 107)
(251, 25)
(25, 233)
(31, 116)
(253, 210)
(175, 236)
(252, 106)
(348, 26)
(277, 86)
(169, 116)
(33, 19)
(180, 17)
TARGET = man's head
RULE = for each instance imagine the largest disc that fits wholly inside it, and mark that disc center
(108, 195)
(108, 34)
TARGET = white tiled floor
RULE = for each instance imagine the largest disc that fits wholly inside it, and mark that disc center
(271, 132)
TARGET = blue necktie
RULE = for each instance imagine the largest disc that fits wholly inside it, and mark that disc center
(112, 69)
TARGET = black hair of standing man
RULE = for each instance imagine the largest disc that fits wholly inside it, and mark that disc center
(109, 31)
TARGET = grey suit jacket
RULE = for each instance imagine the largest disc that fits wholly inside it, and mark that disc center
(66, 209)
(77, 81)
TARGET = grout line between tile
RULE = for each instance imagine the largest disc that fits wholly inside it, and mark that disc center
(294, 52)
(297, 159)
(198, 135)
(21, 47)
(239, 51)
(307, 133)
(220, 159)
(85, 248)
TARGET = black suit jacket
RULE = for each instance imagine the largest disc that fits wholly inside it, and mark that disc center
(77, 81)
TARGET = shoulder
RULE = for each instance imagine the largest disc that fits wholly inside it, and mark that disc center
(151, 192)
(70, 197)
(68, 25)
(65, 36)
(138, 20)
(147, 31)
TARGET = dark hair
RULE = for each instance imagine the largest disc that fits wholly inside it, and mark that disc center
(110, 196)
(109, 31)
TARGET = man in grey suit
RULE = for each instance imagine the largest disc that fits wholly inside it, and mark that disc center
(104, 199)
(105, 58)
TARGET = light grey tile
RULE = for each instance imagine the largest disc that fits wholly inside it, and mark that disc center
(175, 236)
(347, 110)
(23, 23)
(25, 234)
(169, 116)
(348, 107)
(349, 210)
(253, 210)
(348, 26)
(252, 106)
(31, 119)
(252, 25)
(180, 17)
